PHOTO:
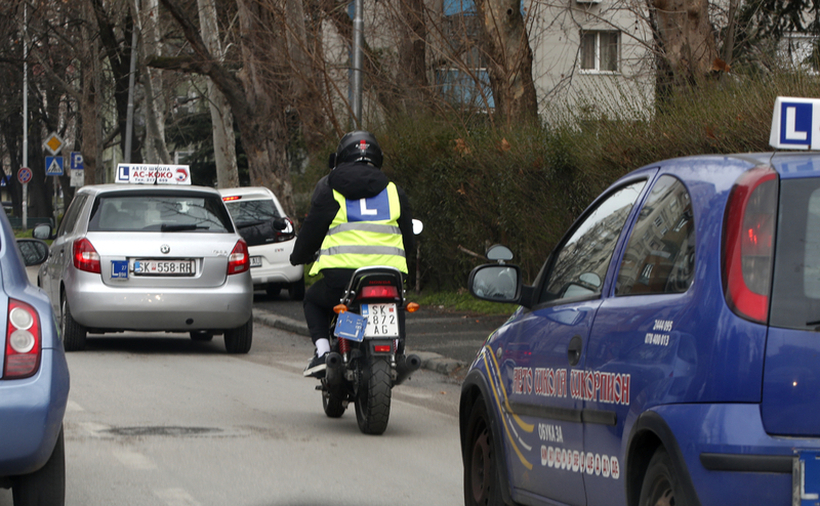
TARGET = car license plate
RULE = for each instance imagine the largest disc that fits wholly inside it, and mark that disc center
(163, 267)
(256, 261)
(806, 478)
(382, 320)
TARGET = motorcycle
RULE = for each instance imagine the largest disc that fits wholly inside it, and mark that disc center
(367, 356)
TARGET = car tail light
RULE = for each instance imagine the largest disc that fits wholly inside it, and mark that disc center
(231, 198)
(86, 257)
(379, 292)
(748, 243)
(239, 261)
(23, 341)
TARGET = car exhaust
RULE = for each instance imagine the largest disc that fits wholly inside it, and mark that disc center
(405, 366)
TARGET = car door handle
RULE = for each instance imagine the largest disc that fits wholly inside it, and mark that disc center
(576, 344)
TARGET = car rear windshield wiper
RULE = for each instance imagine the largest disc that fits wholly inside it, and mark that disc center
(181, 228)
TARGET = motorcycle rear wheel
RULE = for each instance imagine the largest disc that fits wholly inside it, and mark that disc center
(373, 397)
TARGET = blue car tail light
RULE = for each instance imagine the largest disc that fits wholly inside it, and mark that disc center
(748, 243)
(23, 341)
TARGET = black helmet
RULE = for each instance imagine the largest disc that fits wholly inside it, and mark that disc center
(359, 146)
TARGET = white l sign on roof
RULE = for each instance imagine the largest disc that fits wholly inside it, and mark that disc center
(796, 123)
(138, 173)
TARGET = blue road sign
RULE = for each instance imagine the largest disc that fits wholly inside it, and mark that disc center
(76, 161)
(54, 166)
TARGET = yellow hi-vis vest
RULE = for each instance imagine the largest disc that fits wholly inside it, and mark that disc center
(364, 232)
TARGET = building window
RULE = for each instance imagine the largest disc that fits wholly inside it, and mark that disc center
(599, 51)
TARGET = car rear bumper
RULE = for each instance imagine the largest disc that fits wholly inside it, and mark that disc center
(31, 415)
(107, 308)
(276, 267)
(730, 457)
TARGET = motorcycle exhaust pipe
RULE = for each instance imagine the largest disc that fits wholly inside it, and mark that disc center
(335, 370)
(405, 366)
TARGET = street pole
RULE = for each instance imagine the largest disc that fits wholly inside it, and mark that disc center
(25, 111)
(358, 25)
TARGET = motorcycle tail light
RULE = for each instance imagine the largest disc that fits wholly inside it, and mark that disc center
(379, 292)
(23, 341)
(86, 257)
(382, 348)
(239, 260)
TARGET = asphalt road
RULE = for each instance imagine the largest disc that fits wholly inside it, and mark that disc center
(447, 342)
(161, 420)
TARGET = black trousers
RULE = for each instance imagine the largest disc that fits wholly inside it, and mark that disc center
(323, 295)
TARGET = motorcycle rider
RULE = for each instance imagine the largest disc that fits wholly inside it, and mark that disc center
(357, 218)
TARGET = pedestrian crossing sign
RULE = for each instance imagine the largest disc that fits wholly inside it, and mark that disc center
(54, 166)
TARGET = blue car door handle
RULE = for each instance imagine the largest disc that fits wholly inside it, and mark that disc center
(576, 344)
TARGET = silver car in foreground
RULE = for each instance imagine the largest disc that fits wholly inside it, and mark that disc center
(145, 257)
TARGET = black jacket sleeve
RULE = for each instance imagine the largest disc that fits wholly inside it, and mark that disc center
(406, 223)
(323, 208)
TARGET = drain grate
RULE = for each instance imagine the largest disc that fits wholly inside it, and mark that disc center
(162, 431)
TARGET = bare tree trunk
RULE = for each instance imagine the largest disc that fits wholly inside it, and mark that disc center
(510, 60)
(155, 146)
(90, 102)
(265, 136)
(412, 71)
(686, 38)
(227, 173)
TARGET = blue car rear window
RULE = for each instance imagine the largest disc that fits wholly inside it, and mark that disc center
(795, 300)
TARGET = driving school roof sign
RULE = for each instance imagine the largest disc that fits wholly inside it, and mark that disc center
(137, 173)
(796, 123)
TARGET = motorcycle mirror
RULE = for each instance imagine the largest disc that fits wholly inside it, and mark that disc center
(499, 253)
(331, 162)
(280, 224)
(418, 226)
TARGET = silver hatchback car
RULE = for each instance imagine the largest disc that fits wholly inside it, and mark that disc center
(149, 257)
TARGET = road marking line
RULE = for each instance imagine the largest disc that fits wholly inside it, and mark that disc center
(134, 460)
(176, 497)
(94, 428)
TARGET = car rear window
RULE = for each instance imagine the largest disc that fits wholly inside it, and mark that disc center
(159, 212)
(247, 213)
(796, 284)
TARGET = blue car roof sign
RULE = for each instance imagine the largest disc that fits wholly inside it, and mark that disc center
(796, 123)
(137, 173)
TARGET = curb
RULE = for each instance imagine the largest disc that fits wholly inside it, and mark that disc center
(429, 360)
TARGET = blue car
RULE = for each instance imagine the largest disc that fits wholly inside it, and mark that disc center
(34, 379)
(668, 353)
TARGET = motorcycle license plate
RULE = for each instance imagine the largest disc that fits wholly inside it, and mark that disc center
(382, 320)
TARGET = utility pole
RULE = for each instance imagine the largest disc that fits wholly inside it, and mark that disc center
(358, 25)
(25, 111)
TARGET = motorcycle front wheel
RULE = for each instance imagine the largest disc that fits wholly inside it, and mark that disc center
(373, 397)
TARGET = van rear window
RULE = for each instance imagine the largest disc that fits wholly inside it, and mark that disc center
(796, 284)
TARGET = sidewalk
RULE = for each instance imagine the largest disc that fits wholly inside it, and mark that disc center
(429, 360)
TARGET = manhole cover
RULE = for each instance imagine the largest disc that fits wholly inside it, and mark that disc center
(161, 431)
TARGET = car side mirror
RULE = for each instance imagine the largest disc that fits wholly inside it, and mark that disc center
(33, 251)
(43, 231)
(496, 282)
